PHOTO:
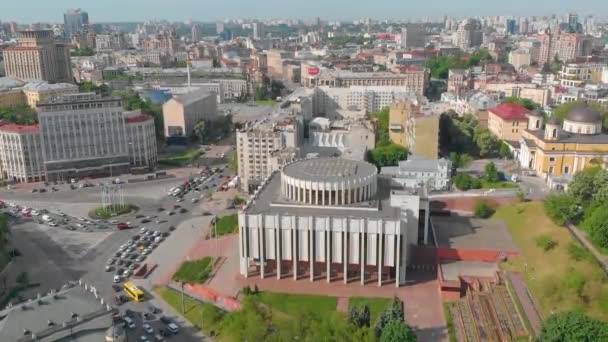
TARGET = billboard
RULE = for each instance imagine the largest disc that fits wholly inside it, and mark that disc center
(313, 71)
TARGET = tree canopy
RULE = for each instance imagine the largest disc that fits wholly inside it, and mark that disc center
(132, 101)
(388, 155)
(441, 65)
(382, 116)
(19, 114)
(464, 135)
(573, 327)
(529, 104)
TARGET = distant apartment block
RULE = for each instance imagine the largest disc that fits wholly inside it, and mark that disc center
(38, 56)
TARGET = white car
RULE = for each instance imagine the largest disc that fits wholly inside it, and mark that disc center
(194, 200)
(147, 250)
(158, 239)
(143, 230)
(148, 328)
(53, 224)
(116, 279)
(126, 273)
(34, 213)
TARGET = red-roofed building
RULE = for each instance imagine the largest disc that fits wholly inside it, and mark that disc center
(507, 121)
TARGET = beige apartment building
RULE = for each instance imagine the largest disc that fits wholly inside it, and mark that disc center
(183, 112)
(414, 127)
(38, 56)
(579, 74)
(533, 92)
(21, 157)
(564, 46)
(36, 91)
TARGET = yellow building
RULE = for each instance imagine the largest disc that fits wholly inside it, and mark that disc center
(562, 149)
(415, 128)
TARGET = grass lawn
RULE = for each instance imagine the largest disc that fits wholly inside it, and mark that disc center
(559, 280)
(111, 211)
(290, 304)
(182, 158)
(194, 272)
(226, 225)
(376, 305)
(498, 185)
(265, 102)
(196, 312)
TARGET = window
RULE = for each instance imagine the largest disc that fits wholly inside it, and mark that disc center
(567, 169)
(552, 159)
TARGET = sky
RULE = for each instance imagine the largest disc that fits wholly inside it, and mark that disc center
(210, 10)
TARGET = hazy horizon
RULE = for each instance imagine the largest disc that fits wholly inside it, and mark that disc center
(180, 10)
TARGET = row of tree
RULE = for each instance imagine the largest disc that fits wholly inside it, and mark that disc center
(20, 114)
(465, 136)
(386, 153)
(441, 65)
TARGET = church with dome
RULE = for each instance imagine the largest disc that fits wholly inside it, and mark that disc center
(560, 149)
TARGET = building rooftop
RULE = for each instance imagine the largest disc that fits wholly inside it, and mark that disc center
(45, 317)
(567, 137)
(14, 128)
(8, 83)
(329, 169)
(43, 85)
(193, 96)
(510, 111)
(270, 201)
(138, 118)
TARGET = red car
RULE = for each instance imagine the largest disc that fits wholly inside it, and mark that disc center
(122, 226)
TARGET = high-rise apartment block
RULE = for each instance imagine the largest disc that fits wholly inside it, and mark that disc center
(412, 36)
(469, 34)
(563, 46)
(74, 22)
(38, 56)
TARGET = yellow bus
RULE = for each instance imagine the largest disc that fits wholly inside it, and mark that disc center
(133, 291)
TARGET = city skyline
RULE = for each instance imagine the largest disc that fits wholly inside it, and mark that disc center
(181, 10)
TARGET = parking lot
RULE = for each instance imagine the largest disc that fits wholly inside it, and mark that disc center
(78, 247)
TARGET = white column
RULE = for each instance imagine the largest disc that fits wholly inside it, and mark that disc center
(243, 251)
(323, 196)
(294, 249)
(327, 250)
(380, 253)
(362, 253)
(311, 257)
(397, 273)
(277, 247)
(261, 245)
(345, 251)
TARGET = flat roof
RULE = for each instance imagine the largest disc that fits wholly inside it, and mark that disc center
(271, 202)
(472, 233)
(329, 169)
(453, 269)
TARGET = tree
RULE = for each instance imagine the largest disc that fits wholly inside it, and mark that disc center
(4, 231)
(483, 210)
(397, 331)
(23, 279)
(504, 151)
(393, 312)
(382, 116)
(597, 225)
(485, 140)
(20, 114)
(561, 208)
(521, 195)
(199, 131)
(529, 104)
(261, 93)
(353, 317)
(572, 326)
(364, 316)
(491, 174)
(388, 155)
(583, 186)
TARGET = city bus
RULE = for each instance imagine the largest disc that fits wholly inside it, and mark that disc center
(133, 291)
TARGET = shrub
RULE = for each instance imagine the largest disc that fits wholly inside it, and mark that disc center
(545, 243)
(521, 195)
(597, 226)
(194, 272)
(561, 208)
(483, 210)
(491, 174)
(462, 182)
(578, 252)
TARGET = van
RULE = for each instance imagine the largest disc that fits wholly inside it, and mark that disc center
(173, 328)
(130, 323)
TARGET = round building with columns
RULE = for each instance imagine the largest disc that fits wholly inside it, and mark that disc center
(329, 181)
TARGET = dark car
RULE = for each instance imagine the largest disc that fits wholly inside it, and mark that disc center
(145, 221)
(166, 320)
(160, 209)
(171, 228)
(183, 210)
(116, 288)
(164, 234)
(139, 216)
(42, 190)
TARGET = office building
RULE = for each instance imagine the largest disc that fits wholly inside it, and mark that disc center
(21, 157)
(507, 121)
(219, 27)
(36, 91)
(511, 26)
(563, 149)
(414, 79)
(183, 112)
(412, 36)
(74, 22)
(83, 135)
(196, 33)
(37, 56)
(258, 30)
(332, 218)
(469, 34)
(114, 41)
(416, 171)
(413, 124)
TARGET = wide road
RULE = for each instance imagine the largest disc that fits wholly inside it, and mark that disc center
(55, 255)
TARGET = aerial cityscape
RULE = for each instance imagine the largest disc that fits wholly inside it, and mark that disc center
(244, 171)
